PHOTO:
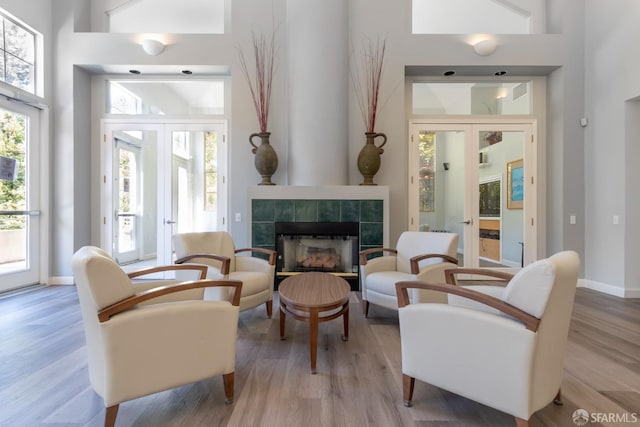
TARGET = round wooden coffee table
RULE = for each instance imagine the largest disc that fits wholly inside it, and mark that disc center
(314, 297)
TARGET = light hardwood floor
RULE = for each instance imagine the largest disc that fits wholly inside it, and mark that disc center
(44, 380)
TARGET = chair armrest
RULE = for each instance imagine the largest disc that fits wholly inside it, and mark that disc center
(415, 268)
(363, 254)
(271, 253)
(451, 274)
(125, 304)
(142, 272)
(226, 261)
(530, 322)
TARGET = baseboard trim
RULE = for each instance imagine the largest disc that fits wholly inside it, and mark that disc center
(61, 280)
(609, 289)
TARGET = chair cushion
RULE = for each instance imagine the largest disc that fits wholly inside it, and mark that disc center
(529, 289)
(384, 282)
(412, 243)
(98, 272)
(494, 291)
(252, 282)
(209, 242)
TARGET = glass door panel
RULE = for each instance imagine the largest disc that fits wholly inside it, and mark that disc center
(197, 190)
(437, 181)
(135, 195)
(19, 197)
(501, 225)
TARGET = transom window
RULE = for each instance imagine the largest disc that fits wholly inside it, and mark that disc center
(17, 62)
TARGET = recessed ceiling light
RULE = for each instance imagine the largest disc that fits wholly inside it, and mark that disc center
(134, 71)
(187, 72)
(500, 73)
(449, 73)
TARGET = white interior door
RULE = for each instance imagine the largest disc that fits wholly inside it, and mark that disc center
(19, 195)
(477, 180)
(163, 178)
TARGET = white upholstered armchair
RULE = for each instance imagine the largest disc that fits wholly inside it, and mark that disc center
(217, 250)
(419, 255)
(143, 339)
(509, 357)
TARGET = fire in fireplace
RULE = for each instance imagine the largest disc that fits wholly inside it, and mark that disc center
(317, 246)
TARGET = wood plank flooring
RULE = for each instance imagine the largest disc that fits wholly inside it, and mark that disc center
(44, 379)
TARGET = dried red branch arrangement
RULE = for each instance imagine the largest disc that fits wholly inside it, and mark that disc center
(264, 55)
(366, 76)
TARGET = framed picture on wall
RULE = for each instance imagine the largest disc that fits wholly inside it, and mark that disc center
(515, 184)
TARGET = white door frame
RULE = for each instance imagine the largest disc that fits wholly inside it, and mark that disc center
(163, 127)
(471, 197)
(37, 271)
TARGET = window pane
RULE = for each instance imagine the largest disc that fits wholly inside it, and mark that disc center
(168, 16)
(472, 98)
(166, 97)
(19, 73)
(426, 149)
(478, 16)
(19, 42)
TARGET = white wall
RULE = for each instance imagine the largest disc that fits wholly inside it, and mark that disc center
(611, 83)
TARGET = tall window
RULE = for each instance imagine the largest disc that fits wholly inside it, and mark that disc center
(427, 174)
(17, 61)
(211, 171)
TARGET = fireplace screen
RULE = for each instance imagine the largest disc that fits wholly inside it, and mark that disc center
(328, 247)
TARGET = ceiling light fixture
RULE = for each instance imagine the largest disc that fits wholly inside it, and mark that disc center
(484, 46)
(152, 47)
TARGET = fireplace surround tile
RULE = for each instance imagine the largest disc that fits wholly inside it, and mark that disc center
(371, 211)
(350, 210)
(329, 211)
(285, 210)
(306, 210)
(263, 210)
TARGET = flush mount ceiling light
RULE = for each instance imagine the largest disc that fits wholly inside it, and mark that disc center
(152, 47)
(484, 47)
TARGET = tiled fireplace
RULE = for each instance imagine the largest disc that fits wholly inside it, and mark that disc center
(366, 208)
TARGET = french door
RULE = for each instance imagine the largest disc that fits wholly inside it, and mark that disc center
(477, 180)
(160, 179)
(19, 195)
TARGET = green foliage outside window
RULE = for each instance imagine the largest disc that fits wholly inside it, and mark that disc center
(13, 193)
(426, 172)
(211, 171)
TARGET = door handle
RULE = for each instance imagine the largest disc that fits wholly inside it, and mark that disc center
(168, 221)
(469, 221)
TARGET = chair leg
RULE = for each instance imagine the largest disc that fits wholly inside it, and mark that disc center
(110, 416)
(407, 389)
(228, 380)
(365, 307)
(269, 308)
(522, 423)
(558, 399)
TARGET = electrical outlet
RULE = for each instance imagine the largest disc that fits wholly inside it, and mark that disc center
(572, 219)
(616, 220)
(238, 217)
